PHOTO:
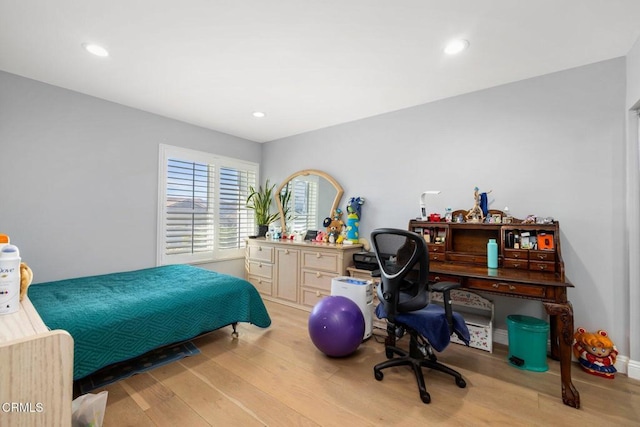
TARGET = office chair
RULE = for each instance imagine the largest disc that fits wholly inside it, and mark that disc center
(404, 301)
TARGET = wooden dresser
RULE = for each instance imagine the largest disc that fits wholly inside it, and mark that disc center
(36, 371)
(297, 274)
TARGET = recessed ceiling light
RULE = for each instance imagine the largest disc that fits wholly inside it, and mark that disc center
(258, 114)
(456, 46)
(95, 49)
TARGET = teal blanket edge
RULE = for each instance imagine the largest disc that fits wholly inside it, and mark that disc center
(115, 317)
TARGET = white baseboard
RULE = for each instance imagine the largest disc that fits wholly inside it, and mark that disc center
(633, 369)
(623, 365)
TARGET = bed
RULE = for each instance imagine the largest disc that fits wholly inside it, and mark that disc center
(119, 316)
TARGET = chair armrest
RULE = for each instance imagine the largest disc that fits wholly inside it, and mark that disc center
(445, 288)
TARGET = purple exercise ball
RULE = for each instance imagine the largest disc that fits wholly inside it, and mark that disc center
(336, 326)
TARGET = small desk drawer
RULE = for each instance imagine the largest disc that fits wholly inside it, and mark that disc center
(260, 269)
(436, 256)
(320, 261)
(435, 247)
(516, 253)
(506, 288)
(467, 258)
(260, 253)
(521, 264)
(542, 256)
(542, 266)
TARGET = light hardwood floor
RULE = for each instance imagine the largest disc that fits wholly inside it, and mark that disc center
(276, 377)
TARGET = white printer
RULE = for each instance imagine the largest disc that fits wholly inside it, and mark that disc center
(360, 292)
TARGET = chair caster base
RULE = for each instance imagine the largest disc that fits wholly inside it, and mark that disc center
(425, 397)
(461, 383)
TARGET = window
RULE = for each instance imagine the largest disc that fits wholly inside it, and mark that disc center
(201, 211)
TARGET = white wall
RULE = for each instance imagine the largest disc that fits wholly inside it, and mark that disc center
(78, 178)
(633, 208)
(551, 146)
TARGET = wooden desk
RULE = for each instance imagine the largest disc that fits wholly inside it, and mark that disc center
(530, 273)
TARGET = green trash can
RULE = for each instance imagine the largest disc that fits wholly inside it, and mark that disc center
(527, 342)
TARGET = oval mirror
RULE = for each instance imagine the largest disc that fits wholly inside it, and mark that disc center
(306, 198)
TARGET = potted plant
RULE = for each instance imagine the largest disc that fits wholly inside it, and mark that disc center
(260, 201)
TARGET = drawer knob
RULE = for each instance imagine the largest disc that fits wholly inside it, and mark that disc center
(496, 285)
(260, 265)
(259, 281)
(516, 256)
(318, 274)
(318, 294)
(542, 256)
(512, 288)
(542, 267)
(286, 251)
(259, 248)
(516, 265)
(318, 255)
(437, 278)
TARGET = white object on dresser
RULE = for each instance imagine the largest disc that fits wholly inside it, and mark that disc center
(293, 273)
(36, 370)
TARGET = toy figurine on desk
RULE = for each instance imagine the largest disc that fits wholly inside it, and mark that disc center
(476, 213)
(595, 352)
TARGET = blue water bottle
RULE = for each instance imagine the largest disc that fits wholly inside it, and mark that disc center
(492, 254)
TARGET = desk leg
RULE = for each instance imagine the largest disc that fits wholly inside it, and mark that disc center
(562, 322)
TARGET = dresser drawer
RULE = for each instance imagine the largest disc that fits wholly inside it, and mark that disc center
(261, 269)
(521, 264)
(542, 266)
(264, 286)
(310, 297)
(435, 277)
(320, 261)
(507, 288)
(542, 256)
(317, 279)
(516, 253)
(260, 253)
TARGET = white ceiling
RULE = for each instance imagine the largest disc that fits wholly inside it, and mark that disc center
(306, 64)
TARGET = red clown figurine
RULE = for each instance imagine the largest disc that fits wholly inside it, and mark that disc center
(595, 352)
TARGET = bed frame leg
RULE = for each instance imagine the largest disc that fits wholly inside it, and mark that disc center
(234, 334)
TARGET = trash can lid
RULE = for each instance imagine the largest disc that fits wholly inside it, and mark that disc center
(528, 321)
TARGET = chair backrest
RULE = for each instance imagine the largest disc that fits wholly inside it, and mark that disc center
(404, 270)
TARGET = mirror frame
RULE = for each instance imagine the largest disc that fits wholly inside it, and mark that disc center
(306, 172)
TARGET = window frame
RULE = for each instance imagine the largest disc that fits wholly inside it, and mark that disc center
(218, 162)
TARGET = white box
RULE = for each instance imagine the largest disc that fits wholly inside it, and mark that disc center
(478, 315)
(360, 292)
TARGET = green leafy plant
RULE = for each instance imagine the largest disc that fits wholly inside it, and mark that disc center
(260, 201)
(285, 197)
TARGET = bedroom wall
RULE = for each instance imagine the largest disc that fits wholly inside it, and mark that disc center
(633, 207)
(553, 145)
(79, 177)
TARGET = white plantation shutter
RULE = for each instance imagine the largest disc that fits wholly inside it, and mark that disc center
(235, 221)
(202, 214)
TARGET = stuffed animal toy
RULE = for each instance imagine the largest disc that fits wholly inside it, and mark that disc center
(354, 213)
(334, 225)
(595, 352)
(26, 277)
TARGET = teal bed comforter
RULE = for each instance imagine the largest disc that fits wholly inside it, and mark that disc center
(115, 317)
